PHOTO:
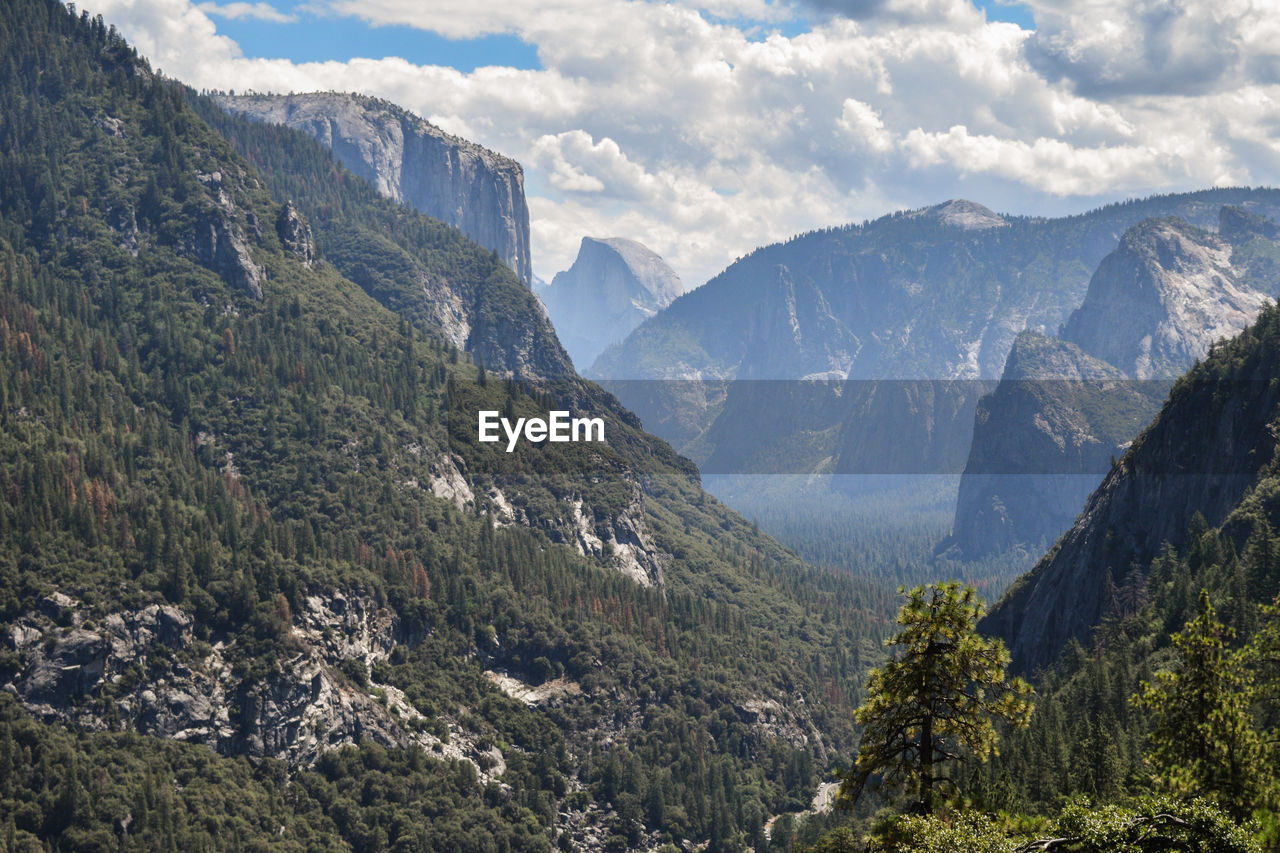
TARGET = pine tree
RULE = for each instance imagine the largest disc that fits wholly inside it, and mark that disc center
(1202, 738)
(937, 697)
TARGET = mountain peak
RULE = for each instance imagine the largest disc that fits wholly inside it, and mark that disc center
(964, 214)
(614, 285)
(1161, 298)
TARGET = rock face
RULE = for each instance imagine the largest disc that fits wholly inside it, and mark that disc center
(218, 240)
(92, 676)
(613, 286)
(295, 234)
(413, 162)
(1041, 443)
(1210, 443)
(1065, 408)
(963, 214)
(1158, 301)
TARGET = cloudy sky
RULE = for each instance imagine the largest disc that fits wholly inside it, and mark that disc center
(705, 128)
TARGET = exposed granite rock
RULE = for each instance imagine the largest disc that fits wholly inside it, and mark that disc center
(964, 214)
(613, 286)
(1041, 443)
(412, 161)
(219, 242)
(1156, 303)
(146, 669)
(295, 234)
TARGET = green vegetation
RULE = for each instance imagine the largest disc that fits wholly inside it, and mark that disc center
(936, 699)
(166, 437)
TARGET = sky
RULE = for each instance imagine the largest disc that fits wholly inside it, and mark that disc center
(706, 128)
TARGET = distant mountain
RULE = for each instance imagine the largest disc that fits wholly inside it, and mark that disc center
(1210, 452)
(1065, 408)
(613, 286)
(412, 161)
(1162, 297)
(937, 294)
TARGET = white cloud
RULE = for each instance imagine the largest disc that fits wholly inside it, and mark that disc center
(256, 11)
(1168, 47)
(704, 136)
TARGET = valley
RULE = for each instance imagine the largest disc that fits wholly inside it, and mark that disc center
(326, 524)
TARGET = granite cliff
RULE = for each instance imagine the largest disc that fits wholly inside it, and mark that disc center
(1065, 408)
(614, 285)
(1210, 452)
(412, 161)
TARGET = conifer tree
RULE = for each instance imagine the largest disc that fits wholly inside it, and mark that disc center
(937, 697)
(1202, 738)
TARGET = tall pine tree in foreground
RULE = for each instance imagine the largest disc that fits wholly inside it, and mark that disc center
(937, 697)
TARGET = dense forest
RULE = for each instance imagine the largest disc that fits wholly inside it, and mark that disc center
(261, 588)
(204, 423)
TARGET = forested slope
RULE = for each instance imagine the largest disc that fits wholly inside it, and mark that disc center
(245, 517)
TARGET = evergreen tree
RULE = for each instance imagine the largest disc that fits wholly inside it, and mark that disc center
(1202, 739)
(936, 698)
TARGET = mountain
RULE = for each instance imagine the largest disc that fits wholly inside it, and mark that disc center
(1209, 453)
(1161, 298)
(261, 584)
(937, 294)
(614, 285)
(416, 266)
(1041, 442)
(412, 161)
(1065, 408)
(916, 295)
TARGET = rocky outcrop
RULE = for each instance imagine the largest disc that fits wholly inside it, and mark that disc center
(414, 162)
(295, 234)
(148, 670)
(963, 214)
(218, 240)
(1041, 443)
(613, 286)
(1159, 300)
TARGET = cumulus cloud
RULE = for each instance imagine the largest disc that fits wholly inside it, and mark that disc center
(1161, 47)
(704, 135)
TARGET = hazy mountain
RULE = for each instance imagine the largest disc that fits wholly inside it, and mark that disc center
(412, 161)
(1064, 409)
(614, 285)
(917, 295)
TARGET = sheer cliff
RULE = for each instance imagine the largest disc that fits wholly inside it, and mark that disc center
(412, 161)
(613, 286)
(1209, 452)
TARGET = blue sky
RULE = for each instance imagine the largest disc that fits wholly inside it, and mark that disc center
(313, 36)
